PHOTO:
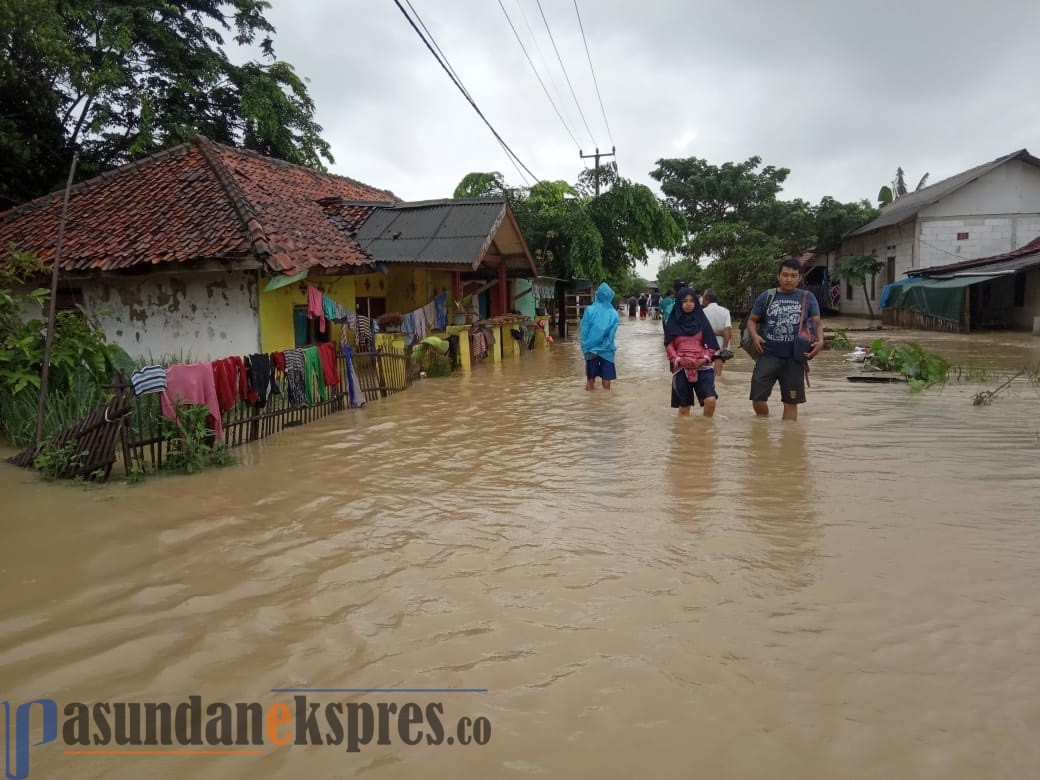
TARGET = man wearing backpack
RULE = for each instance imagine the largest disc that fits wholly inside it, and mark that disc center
(773, 326)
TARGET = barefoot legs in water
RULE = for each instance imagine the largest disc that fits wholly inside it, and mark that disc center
(762, 410)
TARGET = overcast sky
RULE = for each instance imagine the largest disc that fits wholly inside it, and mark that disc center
(839, 91)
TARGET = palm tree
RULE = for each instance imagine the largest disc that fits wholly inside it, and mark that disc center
(898, 188)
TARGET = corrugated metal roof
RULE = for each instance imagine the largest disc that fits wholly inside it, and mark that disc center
(451, 232)
(908, 206)
(1020, 259)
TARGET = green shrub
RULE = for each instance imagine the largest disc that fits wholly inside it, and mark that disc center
(920, 368)
(189, 449)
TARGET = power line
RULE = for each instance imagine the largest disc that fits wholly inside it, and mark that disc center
(594, 80)
(458, 83)
(538, 51)
(537, 76)
(564, 68)
(451, 70)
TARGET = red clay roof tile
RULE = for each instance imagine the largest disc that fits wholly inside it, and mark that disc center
(200, 200)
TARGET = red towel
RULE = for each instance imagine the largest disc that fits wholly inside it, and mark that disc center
(232, 382)
(327, 356)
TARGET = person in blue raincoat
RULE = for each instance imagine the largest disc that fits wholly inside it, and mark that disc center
(599, 324)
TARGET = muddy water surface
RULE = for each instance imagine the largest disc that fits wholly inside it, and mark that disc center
(854, 595)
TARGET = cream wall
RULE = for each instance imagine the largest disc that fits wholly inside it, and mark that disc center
(186, 317)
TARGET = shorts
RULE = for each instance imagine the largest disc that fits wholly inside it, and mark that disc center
(791, 373)
(598, 367)
(683, 390)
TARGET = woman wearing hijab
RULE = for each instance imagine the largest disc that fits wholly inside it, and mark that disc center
(690, 343)
(599, 323)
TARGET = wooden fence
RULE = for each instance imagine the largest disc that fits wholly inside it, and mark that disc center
(86, 449)
(905, 318)
(378, 375)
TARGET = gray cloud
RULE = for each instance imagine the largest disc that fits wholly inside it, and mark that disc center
(840, 92)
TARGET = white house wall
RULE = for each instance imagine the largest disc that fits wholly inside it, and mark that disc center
(1013, 188)
(185, 316)
(896, 241)
(999, 212)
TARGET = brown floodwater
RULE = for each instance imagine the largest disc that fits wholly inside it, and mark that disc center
(853, 595)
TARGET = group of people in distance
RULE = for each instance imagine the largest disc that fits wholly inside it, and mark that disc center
(694, 323)
(646, 304)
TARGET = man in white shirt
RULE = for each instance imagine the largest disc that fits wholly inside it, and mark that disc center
(721, 323)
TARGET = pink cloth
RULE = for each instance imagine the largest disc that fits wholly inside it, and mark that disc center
(688, 348)
(316, 306)
(193, 384)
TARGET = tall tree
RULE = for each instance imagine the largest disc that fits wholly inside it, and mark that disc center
(897, 189)
(125, 78)
(735, 220)
(835, 219)
(575, 234)
(707, 194)
(482, 185)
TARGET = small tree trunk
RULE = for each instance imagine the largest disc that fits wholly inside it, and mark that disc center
(866, 297)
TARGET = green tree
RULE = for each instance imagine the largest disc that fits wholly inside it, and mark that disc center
(482, 185)
(707, 194)
(121, 79)
(856, 269)
(897, 189)
(32, 138)
(735, 220)
(685, 268)
(835, 219)
(575, 234)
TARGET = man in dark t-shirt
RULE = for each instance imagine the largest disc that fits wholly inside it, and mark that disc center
(773, 333)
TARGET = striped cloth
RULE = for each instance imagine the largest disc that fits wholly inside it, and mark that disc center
(364, 334)
(294, 378)
(150, 379)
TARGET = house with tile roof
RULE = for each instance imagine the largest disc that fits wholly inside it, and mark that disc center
(173, 253)
(988, 210)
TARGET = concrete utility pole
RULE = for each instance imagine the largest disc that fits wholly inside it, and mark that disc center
(597, 155)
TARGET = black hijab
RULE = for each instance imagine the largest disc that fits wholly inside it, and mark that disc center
(682, 324)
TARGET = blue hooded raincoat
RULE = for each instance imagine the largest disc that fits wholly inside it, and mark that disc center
(599, 323)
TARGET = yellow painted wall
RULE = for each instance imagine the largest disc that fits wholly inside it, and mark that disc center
(276, 308)
(409, 287)
(405, 288)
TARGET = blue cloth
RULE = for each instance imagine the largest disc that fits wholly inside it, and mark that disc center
(441, 304)
(357, 398)
(667, 304)
(600, 367)
(681, 323)
(599, 324)
(779, 325)
(150, 379)
(408, 328)
(684, 391)
(886, 291)
(329, 308)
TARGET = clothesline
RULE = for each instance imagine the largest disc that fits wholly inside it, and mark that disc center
(305, 374)
(415, 325)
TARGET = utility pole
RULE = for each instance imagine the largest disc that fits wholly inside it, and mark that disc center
(597, 155)
(41, 410)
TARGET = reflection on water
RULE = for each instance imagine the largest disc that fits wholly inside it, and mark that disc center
(851, 595)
